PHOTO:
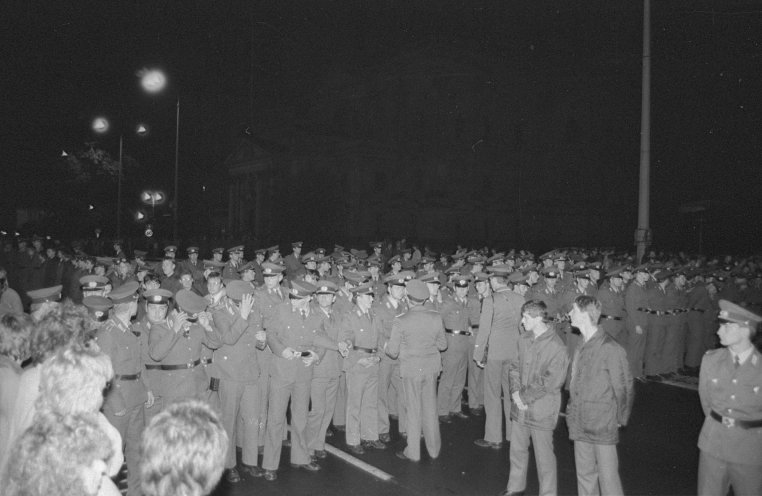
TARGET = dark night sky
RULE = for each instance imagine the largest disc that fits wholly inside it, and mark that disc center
(259, 63)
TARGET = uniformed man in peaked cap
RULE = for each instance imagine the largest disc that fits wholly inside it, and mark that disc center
(730, 388)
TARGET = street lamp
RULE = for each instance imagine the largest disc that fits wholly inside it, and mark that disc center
(150, 197)
(101, 125)
(154, 81)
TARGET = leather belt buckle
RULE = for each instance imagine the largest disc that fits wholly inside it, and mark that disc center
(728, 422)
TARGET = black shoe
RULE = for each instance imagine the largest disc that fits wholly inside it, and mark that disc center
(252, 470)
(356, 449)
(310, 467)
(271, 475)
(385, 437)
(483, 443)
(377, 444)
(402, 456)
(654, 378)
(232, 476)
(445, 419)
(320, 454)
(459, 415)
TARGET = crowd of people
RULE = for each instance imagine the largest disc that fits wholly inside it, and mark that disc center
(287, 351)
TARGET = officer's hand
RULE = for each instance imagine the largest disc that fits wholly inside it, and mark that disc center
(180, 320)
(247, 303)
(288, 353)
(150, 401)
(479, 364)
(205, 319)
(343, 349)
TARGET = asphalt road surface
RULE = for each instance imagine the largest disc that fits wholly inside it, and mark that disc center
(657, 455)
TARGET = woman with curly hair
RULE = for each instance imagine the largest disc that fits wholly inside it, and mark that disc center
(72, 382)
(62, 325)
(60, 455)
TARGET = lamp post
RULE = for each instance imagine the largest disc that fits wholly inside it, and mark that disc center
(101, 126)
(151, 197)
(154, 81)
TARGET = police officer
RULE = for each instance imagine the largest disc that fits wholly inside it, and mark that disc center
(175, 342)
(417, 339)
(235, 261)
(498, 330)
(296, 337)
(361, 331)
(730, 388)
(325, 375)
(455, 358)
(292, 261)
(237, 372)
(130, 392)
(613, 311)
(390, 391)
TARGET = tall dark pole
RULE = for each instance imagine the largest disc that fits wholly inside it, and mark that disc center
(177, 187)
(119, 191)
(642, 234)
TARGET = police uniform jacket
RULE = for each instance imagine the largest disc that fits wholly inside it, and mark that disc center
(417, 338)
(538, 373)
(385, 313)
(600, 392)
(332, 362)
(236, 358)
(265, 302)
(123, 345)
(735, 394)
(289, 330)
(499, 326)
(363, 330)
(635, 297)
(176, 348)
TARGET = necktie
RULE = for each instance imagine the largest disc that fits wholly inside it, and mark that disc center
(737, 362)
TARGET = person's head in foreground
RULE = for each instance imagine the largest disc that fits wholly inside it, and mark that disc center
(59, 455)
(183, 451)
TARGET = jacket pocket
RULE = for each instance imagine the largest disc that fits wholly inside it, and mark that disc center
(598, 417)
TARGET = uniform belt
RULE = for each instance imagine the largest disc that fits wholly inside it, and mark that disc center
(659, 313)
(456, 331)
(475, 326)
(366, 350)
(127, 377)
(610, 317)
(206, 360)
(181, 366)
(701, 310)
(731, 422)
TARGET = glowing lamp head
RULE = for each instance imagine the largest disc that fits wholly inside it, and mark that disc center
(100, 125)
(153, 81)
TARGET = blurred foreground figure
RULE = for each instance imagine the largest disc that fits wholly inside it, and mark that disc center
(183, 451)
(60, 456)
(730, 388)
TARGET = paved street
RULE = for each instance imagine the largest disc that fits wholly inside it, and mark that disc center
(658, 456)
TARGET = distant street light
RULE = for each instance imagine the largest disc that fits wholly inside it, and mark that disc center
(101, 125)
(154, 81)
(152, 198)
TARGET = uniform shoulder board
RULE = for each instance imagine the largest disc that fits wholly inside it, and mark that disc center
(714, 351)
